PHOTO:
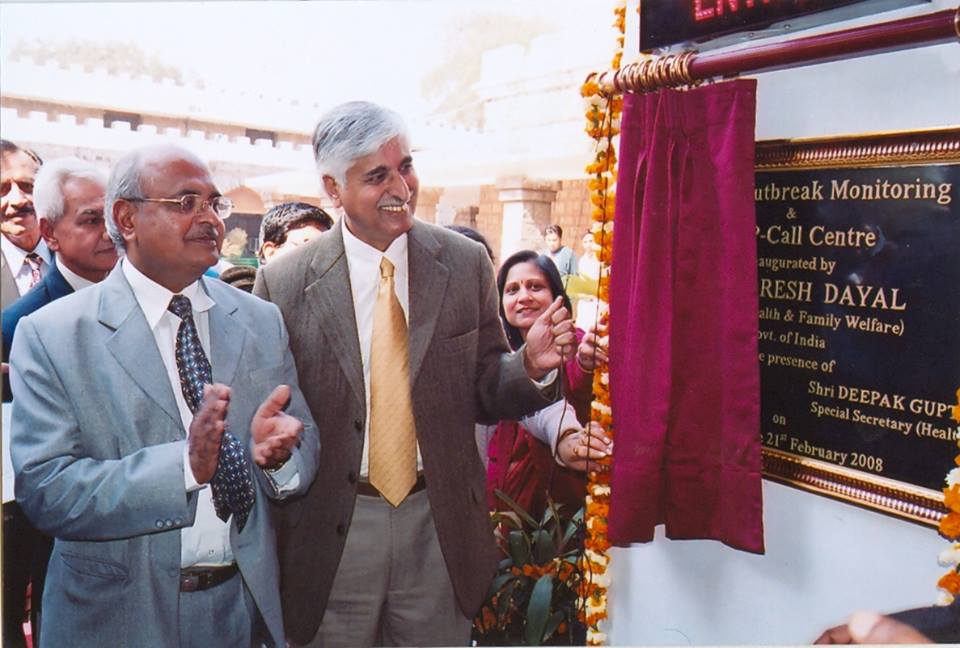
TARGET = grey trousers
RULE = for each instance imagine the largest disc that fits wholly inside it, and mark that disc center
(224, 615)
(392, 586)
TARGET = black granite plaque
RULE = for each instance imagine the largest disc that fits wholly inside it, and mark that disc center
(859, 272)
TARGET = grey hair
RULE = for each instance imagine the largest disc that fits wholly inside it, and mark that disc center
(350, 131)
(124, 183)
(48, 186)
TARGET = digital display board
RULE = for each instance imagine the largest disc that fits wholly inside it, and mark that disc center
(669, 22)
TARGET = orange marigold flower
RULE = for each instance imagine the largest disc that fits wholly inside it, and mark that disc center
(950, 582)
(950, 525)
(951, 498)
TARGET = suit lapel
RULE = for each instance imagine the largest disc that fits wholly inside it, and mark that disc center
(427, 283)
(331, 302)
(8, 285)
(132, 343)
(227, 336)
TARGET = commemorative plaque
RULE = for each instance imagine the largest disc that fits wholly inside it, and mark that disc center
(858, 247)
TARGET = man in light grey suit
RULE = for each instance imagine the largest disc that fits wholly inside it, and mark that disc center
(147, 439)
(362, 564)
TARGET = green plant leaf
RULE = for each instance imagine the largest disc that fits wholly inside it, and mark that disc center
(503, 603)
(544, 548)
(517, 508)
(554, 512)
(519, 548)
(538, 611)
(550, 513)
(499, 582)
(572, 525)
(552, 624)
(509, 518)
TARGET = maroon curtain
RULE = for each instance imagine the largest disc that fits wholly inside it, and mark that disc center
(683, 320)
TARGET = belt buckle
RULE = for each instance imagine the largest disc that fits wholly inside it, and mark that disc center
(189, 582)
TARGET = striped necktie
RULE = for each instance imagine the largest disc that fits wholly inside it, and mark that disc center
(393, 433)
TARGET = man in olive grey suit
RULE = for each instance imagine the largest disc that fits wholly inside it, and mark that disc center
(359, 568)
(120, 434)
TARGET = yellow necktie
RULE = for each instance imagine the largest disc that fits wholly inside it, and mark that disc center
(393, 433)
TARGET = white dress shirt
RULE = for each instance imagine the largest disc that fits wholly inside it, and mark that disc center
(363, 263)
(76, 281)
(19, 267)
(207, 542)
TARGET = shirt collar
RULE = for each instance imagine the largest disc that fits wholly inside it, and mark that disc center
(76, 281)
(358, 250)
(154, 298)
(16, 256)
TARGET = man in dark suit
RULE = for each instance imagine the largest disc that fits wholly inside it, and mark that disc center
(25, 257)
(393, 544)
(68, 199)
(932, 624)
(154, 414)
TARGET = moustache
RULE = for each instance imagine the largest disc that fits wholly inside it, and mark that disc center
(207, 233)
(21, 212)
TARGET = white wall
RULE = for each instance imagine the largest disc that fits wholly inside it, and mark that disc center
(824, 558)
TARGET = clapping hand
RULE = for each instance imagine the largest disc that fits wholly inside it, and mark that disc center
(206, 430)
(549, 340)
(275, 433)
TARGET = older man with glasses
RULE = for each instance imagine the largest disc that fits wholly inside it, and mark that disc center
(155, 413)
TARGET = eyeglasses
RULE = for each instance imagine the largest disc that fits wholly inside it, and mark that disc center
(191, 204)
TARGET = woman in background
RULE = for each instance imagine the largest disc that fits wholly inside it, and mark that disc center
(548, 451)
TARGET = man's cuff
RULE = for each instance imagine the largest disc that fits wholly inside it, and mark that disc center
(546, 381)
(284, 479)
(189, 481)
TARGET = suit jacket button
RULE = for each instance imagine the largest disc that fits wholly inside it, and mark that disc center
(352, 477)
(341, 529)
(358, 425)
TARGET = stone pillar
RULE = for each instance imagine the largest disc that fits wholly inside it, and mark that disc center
(427, 200)
(526, 212)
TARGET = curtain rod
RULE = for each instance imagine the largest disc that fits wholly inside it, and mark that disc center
(675, 70)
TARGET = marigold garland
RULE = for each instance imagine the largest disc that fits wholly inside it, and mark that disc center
(949, 583)
(602, 126)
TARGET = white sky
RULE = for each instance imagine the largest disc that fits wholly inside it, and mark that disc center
(337, 50)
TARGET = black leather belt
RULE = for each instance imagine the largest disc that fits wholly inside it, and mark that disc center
(366, 488)
(196, 579)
